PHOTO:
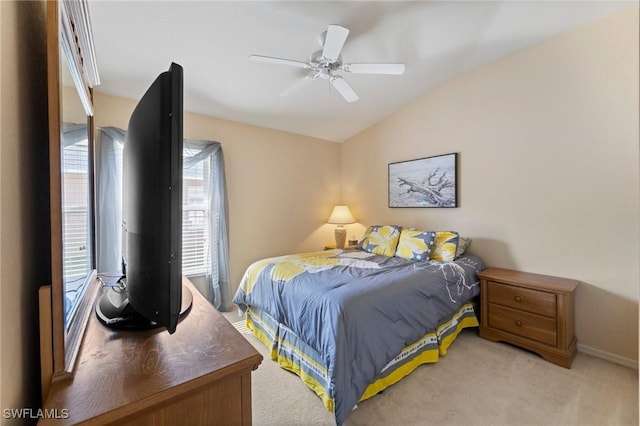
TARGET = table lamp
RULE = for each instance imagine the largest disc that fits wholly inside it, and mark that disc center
(341, 215)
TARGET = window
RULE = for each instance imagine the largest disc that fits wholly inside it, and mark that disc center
(195, 219)
(195, 214)
(205, 243)
(76, 225)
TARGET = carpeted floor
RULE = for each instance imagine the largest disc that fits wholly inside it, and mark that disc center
(477, 383)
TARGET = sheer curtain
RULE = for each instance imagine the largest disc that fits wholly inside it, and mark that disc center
(213, 260)
(109, 142)
(218, 288)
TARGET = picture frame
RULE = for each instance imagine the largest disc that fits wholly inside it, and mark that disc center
(430, 182)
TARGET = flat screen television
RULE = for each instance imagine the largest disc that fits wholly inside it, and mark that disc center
(151, 294)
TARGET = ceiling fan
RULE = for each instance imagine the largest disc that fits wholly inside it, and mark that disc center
(324, 64)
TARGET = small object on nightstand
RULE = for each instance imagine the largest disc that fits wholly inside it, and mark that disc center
(353, 243)
(532, 311)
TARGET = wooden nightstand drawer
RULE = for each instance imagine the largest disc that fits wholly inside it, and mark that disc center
(523, 299)
(531, 326)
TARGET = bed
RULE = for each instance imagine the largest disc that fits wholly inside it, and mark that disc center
(351, 322)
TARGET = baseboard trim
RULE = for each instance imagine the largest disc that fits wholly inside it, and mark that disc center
(617, 359)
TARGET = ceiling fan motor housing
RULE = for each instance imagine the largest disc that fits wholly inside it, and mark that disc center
(319, 62)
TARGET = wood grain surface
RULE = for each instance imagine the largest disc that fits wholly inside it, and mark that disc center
(149, 377)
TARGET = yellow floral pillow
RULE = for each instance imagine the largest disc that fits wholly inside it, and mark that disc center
(445, 246)
(381, 240)
(415, 245)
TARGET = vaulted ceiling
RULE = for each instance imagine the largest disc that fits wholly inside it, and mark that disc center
(212, 40)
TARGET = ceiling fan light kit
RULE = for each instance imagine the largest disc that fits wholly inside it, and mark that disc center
(326, 64)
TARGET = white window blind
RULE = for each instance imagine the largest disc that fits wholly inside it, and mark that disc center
(76, 237)
(195, 219)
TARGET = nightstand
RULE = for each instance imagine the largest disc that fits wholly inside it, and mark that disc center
(532, 311)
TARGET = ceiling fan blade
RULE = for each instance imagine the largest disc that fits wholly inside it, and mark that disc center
(297, 86)
(394, 69)
(344, 89)
(333, 42)
(272, 60)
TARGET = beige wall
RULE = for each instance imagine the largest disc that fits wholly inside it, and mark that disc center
(24, 204)
(72, 109)
(281, 186)
(548, 143)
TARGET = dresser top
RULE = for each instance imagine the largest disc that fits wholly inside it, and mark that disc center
(526, 279)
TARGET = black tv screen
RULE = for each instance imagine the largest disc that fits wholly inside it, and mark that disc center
(151, 293)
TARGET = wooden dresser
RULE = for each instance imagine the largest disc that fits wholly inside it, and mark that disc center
(200, 375)
(532, 311)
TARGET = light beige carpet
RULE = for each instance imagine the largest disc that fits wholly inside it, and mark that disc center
(477, 383)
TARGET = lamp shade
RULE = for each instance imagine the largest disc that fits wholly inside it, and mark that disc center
(341, 215)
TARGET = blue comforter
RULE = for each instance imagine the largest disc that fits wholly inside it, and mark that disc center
(356, 309)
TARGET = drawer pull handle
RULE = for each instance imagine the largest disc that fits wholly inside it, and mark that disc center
(518, 298)
(519, 323)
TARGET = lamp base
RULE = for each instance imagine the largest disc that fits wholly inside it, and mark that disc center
(341, 237)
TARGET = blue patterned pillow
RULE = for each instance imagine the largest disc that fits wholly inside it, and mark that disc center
(415, 244)
(381, 240)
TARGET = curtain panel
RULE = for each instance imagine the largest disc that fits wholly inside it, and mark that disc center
(109, 200)
(219, 291)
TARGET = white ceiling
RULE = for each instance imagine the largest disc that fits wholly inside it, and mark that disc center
(212, 40)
